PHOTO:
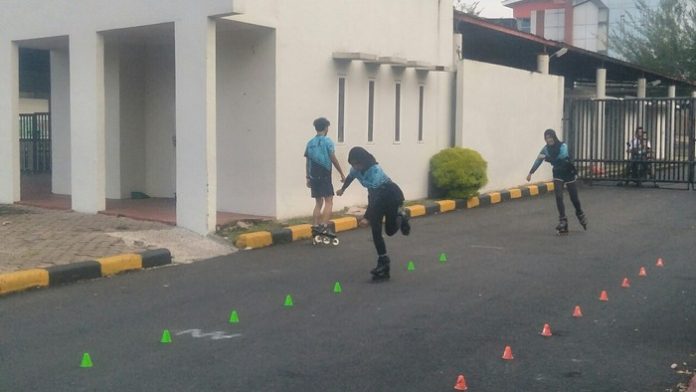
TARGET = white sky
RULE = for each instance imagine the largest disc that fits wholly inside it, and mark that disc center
(493, 9)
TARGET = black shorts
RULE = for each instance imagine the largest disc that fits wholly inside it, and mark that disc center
(321, 187)
(383, 201)
(564, 175)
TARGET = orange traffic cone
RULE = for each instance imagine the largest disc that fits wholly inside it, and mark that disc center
(626, 283)
(603, 296)
(577, 312)
(546, 331)
(659, 262)
(461, 383)
(642, 272)
(507, 354)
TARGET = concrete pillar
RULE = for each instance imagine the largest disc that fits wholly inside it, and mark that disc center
(112, 116)
(458, 109)
(9, 122)
(642, 88)
(543, 63)
(60, 122)
(672, 91)
(87, 145)
(601, 83)
(196, 162)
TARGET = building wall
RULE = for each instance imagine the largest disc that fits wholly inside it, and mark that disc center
(33, 105)
(60, 122)
(160, 121)
(112, 114)
(246, 145)
(502, 123)
(132, 109)
(307, 87)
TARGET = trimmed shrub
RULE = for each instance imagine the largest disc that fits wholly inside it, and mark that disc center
(458, 172)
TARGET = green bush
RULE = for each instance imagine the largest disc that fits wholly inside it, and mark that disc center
(458, 172)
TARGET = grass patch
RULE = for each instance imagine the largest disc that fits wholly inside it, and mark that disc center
(233, 231)
(409, 203)
(12, 210)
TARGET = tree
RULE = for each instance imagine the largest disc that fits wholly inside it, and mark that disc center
(662, 39)
(468, 8)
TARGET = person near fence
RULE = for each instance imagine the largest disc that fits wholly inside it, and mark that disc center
(639, 150)
(564, 173)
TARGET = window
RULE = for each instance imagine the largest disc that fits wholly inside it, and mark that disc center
(341, 108)
(554, 24)
(524, 25)
(421, 93)
(370, 110)
(397, 113)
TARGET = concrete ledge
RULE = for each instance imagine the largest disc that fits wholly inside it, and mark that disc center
(156, 258)
(254, 240)
(22, 280)
(91, 269)
(343, 224)
(115, 264)
(415, 210)
(300, 232)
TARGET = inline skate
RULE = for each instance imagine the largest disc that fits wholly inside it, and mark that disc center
(381, 272)
(562, 227)
(322, 234)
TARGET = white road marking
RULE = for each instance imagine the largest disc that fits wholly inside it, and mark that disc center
(487, 247)
(217, 335)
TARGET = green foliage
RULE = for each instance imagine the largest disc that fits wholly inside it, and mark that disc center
(460, 172)
(468, 8)
(662, 39)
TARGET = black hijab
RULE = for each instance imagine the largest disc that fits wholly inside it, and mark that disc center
(361, 156)
(556, 148)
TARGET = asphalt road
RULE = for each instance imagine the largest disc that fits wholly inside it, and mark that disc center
(507, 274)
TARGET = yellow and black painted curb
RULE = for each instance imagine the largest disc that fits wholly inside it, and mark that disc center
(68, 273)
(260, 239)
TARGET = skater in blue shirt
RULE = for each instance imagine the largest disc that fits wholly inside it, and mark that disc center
(320, 155)
(384, 201)
(564, 173)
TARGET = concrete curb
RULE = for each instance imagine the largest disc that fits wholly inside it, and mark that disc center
(261, 239)
(53, 276)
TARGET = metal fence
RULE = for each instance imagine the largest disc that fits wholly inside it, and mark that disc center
(599, 134)
(35, 142)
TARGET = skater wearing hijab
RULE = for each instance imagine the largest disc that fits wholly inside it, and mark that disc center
(564, 173)
(384, 204)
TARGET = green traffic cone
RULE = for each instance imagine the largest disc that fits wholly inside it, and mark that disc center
(411, 266)
(288, 301)
(166, 337)
(443, 257)
(337, 288)
(86, 361)
(234, 317)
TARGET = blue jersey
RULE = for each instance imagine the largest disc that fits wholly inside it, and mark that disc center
(561, 159)
(372, 178)
(319, 150)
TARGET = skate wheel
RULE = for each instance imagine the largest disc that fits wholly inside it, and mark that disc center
(317, 239)
(335, 242)
(326, 240)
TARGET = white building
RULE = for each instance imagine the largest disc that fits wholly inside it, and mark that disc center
(212, 101)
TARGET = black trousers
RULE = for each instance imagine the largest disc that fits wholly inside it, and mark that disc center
(383, 205)
(572, 192)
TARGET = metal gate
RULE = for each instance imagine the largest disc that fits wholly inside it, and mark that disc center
(600, 136)
(35, 142)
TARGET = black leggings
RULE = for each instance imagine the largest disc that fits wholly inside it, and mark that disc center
(383, 205)
(572, 191)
